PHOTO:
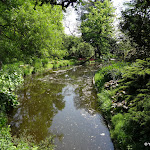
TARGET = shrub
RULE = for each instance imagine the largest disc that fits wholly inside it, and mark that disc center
(107, 73)
(104, 99)
(118, 134)
(7, 142)
(37, 64)
(136, 86)
(10, 79)
(128, 105)
(45, 62)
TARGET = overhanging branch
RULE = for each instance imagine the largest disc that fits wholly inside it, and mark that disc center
(63, 3)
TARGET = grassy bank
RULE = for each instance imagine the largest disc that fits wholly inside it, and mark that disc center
(11, 78)
(40, 65)
(124, 98)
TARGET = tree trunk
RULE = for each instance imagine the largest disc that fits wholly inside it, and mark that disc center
(98, 51)
(1, 65)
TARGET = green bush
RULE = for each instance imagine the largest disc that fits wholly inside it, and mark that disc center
(104, 99)
(7, 142)
(118, 133)
(110, 72)
(136, 86)
(3, 119)
(10, 78)
(45, 62)
(27, 69)
(49, 66)
(37, 64)
(84, 50)
(128, 105)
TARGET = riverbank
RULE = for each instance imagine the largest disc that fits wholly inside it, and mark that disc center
(62, 102)
(123, 96)
(11, 78)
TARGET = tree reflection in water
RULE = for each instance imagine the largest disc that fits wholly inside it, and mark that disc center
(40, 100)
(62, 103)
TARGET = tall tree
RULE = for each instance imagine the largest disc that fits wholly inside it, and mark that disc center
(25, 32)
(96, 26)
(136, 24)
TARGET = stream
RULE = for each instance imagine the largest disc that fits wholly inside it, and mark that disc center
(62, 103)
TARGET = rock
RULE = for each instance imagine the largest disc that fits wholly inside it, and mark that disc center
(125, 107)
(66, 76)
(119, 104)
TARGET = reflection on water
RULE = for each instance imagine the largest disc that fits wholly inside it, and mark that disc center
(62, 103)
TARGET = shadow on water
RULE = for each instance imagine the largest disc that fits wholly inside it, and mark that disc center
(62, 103)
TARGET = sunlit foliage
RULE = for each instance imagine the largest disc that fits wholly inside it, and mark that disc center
(26, 32)
(96, 26)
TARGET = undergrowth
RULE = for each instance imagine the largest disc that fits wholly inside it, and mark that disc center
(124, 97)
(109, 72)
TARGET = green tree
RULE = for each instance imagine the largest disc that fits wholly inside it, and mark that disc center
(136, 24)
(76, 47)
(70, 41)
(30, 33)
(124, 49)
(83, 50)
(96, 26)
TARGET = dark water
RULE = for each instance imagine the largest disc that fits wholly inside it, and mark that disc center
(62, 103)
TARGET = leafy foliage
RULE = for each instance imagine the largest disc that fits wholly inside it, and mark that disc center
(24, 142)
(76, 47)
(136, 83)
(127, 106)
(109, 72)
(83, 50)
(29, 33)
(136, 24)
(7, 142)
(71, 41)
(125, 50)
(96, 26)
(63, 3)
(104, 102)
(10, 78)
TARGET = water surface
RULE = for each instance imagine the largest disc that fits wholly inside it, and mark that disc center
(62, 103)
